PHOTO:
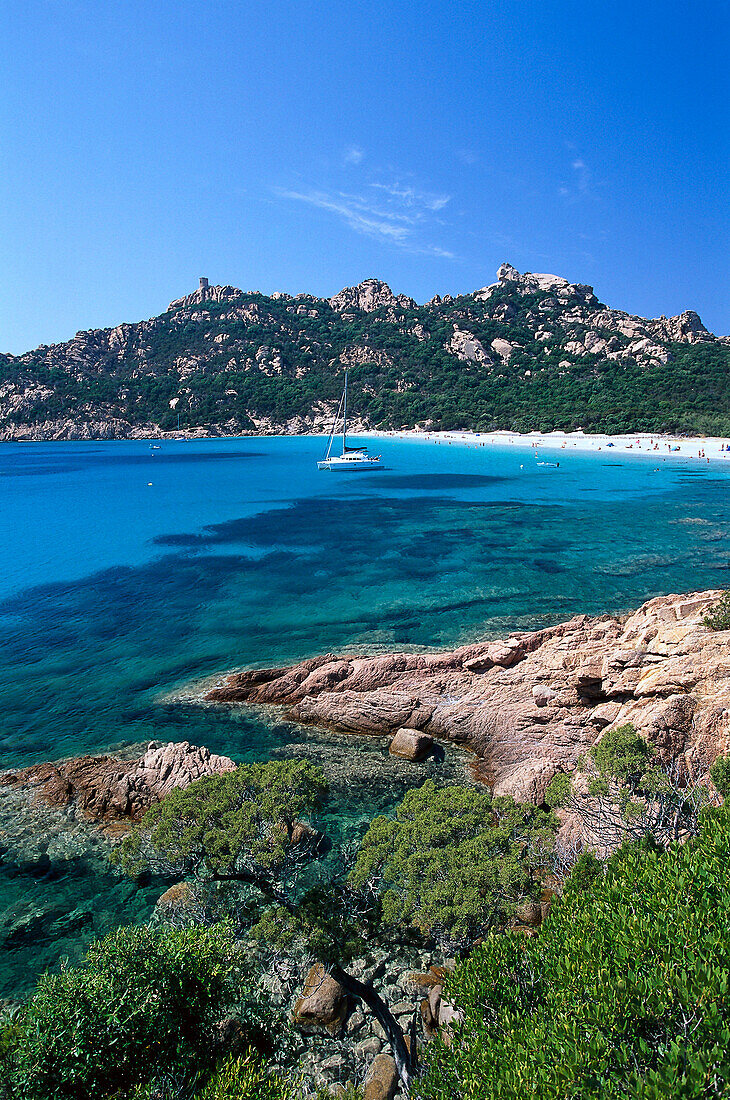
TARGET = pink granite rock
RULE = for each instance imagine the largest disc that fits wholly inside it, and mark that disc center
(411, 744)
(106, 789)
(535, 702)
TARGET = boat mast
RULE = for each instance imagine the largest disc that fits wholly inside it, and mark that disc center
(344, 419)
(333, 430)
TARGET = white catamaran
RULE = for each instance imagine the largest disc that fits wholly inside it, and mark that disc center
(352, 458)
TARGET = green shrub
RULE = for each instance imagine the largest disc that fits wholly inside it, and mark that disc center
(454, 861)
(621, 754)
(235, 825)
(170, 1086)
(558, 790)
(586, 870)
(720, 775)
(11, 1033)
(718, 617)
(246, 1078)
(141, 1005)
(624, 993)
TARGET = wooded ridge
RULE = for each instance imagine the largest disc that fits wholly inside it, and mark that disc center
(530, 351)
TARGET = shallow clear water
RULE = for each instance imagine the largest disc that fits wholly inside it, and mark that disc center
(126, 572)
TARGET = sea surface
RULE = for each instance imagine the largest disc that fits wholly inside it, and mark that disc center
(128, 572)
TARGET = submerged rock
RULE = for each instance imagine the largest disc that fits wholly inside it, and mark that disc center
(180, 904)
(323, 1004)
(411, 744)
(381, 1082)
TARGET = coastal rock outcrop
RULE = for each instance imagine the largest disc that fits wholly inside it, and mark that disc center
(205, 294)
(466, 347)
(107, 789)
(531, 282)
(686, 327)
(532, 704)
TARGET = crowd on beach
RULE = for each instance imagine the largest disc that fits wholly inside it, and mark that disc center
(703, 449)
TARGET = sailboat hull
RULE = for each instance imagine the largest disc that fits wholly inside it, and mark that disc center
(350, 465)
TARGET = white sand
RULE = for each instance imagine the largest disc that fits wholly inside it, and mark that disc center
(702, 449)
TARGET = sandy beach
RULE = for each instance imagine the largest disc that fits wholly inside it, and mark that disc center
(643, 444)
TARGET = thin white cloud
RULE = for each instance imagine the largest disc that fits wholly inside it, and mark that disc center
(413, 198)
(583, 176)
(391, 211)
(434, 250)
(580, 186)
(354, 155)
(353, 212)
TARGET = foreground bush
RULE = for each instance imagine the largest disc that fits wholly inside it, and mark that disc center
(142, 1005)
(454, 862)
(624, 993)
(247, 1078)
(718, 617)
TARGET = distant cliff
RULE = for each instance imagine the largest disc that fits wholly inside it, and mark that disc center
(529, 351)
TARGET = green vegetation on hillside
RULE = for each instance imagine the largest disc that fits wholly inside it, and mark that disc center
(624, 992)
(142, 1006)
(224, 363)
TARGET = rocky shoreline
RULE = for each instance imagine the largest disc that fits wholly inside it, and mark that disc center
(112, 791)
(68, 430)
(525, 707)
(529, 705)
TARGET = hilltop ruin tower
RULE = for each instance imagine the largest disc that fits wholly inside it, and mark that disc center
(203, 283)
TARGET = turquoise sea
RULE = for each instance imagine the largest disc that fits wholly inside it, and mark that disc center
(127, 572)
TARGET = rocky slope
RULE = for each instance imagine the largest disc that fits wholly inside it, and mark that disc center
(531, 704)
(530, 350)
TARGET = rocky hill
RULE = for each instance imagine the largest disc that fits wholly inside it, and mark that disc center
(529, 351)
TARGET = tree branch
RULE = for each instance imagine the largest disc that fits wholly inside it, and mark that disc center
(405, 1060)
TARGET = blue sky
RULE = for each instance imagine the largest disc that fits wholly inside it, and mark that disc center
(304, 146)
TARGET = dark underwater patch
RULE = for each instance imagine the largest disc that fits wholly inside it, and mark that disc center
(43, 466)
(546, 565)
(441, 482)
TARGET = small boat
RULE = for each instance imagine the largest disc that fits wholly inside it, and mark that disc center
(352, 458)
(551, 465)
